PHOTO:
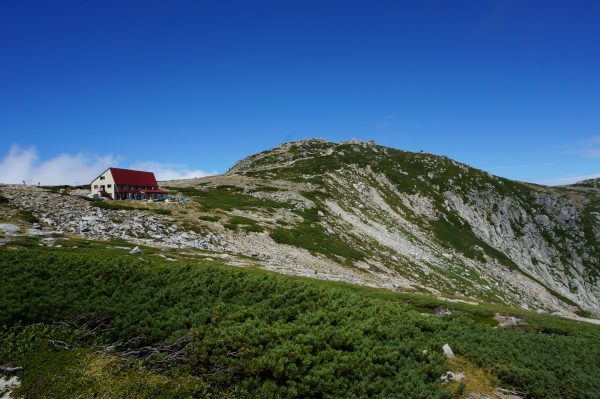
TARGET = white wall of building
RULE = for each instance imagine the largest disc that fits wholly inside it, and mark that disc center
(106, 181)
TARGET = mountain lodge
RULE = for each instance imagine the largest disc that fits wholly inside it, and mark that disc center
(117, 183)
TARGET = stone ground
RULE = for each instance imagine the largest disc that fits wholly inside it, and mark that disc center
(70, 214)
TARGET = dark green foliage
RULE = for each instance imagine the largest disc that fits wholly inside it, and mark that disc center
(456, 234)
(125, 206)
(161, 211)
(267, 189)
(265, 335)
(311, 236)
(63, 189)
(209, 218)
(243, 222)
(256, 228)
(105, 204)
(226, 198)
(28, 217)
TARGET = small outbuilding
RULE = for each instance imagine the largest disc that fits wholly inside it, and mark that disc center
(117, 183)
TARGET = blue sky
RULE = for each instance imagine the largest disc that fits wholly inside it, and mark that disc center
(512, 87)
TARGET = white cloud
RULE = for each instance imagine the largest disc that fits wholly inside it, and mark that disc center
(171, 171)
(24, 164)
(570, 179)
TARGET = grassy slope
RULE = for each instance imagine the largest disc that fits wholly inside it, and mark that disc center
(256, 334)
(429, 175)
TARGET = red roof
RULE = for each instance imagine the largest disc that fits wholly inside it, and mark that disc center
(133, 177)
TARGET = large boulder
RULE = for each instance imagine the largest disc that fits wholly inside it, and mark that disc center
(9, 228)
(447, 351)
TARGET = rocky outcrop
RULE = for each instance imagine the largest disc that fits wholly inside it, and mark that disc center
(72, 214)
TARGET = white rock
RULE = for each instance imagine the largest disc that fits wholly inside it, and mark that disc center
(7, 385)
(447, 351)
(36, 232)
(9, 228)
(136, 251)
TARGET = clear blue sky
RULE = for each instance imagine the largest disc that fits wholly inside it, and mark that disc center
(512, 87)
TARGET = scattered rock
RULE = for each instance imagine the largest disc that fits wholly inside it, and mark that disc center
(448, 351)
(48, 241)
(457, 300)
(136, 251)
(441, 311)
(509, 321)
(451, 376)
(509, 394)
(9, 228)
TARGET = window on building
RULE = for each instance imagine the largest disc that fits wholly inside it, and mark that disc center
(101, 177)
(109, 185)
(95, 186)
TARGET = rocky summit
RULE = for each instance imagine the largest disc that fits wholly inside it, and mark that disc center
(362, 213)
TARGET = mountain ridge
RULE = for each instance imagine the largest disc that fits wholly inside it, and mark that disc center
(431, 212)
(356, 212)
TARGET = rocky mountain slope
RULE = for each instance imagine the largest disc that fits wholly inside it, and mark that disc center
(429, 222)
(360, 212)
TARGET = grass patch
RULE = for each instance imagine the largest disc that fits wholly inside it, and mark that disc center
(209, 218)
(311, 236)
(227, 198)
(28, 217)
(476, 380)
(160, 211)
(105, 204)
(121, 206)
(245, 223)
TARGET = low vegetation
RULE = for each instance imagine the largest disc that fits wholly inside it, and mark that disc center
(127, 206)
(209, 218)
(243, 222)
(28, 216)
(98, 323)
(226, 198)
(311, 236)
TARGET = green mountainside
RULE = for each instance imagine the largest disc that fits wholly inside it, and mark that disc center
(87, 322)
(311, 270)
(428, 221)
